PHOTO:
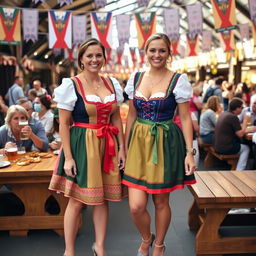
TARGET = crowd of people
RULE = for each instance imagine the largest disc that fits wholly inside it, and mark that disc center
(158, 152)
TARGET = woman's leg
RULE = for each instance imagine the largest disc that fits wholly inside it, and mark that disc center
(100, 220)
(71, 224)
(138, 200)
(162, 220)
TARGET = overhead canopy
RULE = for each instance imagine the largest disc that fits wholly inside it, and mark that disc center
(116, 7)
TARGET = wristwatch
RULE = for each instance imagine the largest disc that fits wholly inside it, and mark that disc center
(191, 150)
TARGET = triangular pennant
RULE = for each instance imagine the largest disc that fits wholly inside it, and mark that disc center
(192, 44)
(228, 40)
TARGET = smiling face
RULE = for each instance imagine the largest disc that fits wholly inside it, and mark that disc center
(157, 53)
(93, 58)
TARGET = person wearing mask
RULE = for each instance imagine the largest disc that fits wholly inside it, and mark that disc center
(160, 155)
(88, 168)
(43, 112)
(15, 91)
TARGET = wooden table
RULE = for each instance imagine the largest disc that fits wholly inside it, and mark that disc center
(30, 183)
(215, 193)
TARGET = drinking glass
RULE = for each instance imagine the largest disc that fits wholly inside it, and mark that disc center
(22, 124)
(11, 153)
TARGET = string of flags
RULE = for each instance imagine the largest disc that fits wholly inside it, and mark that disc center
(67, 30)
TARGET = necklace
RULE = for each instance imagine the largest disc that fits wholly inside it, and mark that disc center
(154, 82)
(96, 87)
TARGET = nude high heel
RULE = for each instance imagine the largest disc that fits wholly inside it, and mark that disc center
(149, 241)
(160, 246)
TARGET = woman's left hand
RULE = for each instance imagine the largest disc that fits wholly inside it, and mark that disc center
(121, 158)
(190, 164)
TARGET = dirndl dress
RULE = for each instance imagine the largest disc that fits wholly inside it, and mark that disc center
(93, 144)
(156, 153)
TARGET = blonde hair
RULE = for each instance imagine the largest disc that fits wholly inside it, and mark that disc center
(12, 110)
(84, 46)
(158, 36)
(213, 103)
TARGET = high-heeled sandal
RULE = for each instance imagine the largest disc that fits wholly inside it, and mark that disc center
(149, 241)
(93, 250)
(160, 246)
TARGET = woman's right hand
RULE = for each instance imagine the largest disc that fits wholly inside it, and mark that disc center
(70, 168)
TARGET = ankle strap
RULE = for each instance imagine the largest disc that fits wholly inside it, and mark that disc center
(147, 241)
(160, 245)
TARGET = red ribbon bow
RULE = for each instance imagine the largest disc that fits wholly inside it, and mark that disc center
(108, 131)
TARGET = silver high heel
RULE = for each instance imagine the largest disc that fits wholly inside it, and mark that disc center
(149, 241)
(93, 250)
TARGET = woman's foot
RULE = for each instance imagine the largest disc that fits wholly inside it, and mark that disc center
(159, 249)
(98, 250)
(145, 244)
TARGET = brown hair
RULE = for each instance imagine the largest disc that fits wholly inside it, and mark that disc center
(84, 46)
(158, 36)
(213, 103)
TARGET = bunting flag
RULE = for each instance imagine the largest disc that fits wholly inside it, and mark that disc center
(206, 40)
(108, 52)
(10, 26)
(252, 9)
(67, 2)
(244, 31)
(79, 29)
(172, 23)
(101, 27)
(142, 56)
(60, 29)
(174, 46)
(30, 25)
(195, 19)
(253, 33)
(142, 3)
(224, 14)
(227, 39)
(192, 44)
(146, 26)
(133, 55)
(123, 28)
(68, 54)
(119, 53)
(100, 3)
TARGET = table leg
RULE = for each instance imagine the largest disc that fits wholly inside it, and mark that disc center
(193, 216)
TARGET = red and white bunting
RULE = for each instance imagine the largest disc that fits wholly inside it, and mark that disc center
(195, 19)
(172, 23)
(192, 45)
(60, 29)
(206, 40)
(79, 29)
(133, 55)
(227, 39)
(101, 26)
(123, 28)
(244, 31)
(30, 24)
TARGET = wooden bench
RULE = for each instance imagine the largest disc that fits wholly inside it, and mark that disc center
(211, 155)
(215, 193)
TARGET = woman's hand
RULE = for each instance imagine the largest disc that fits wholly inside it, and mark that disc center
(54, 145)
(10, 144)
(190, 165)
(70, 168)
(26, 131)
(121, 158)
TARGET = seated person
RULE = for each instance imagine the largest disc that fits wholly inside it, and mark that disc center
(208, 119)
(55, 139)
(36, 125)
(228, 132)
(10, 132)
(250, 111)
(43, 112)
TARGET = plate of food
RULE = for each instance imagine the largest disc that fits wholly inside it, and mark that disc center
(4, 164)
